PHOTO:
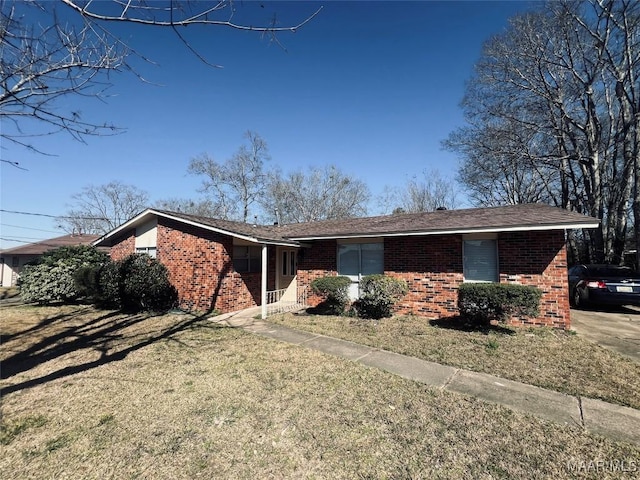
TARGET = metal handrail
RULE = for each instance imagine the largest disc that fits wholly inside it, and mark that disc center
(276, 305)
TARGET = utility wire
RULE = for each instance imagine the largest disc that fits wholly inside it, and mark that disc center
(52, 216)
(30, 228)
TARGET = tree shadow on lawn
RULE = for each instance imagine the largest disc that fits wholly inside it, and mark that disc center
(461, 324)
(103, 334)
(45, 322)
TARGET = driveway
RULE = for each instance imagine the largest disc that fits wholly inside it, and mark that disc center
(617, 330)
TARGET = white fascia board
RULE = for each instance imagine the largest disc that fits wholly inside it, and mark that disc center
(523, 228)
(229, 233)
(138, 219)
(129, 224)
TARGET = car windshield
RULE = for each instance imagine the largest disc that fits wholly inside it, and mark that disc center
(611, 271)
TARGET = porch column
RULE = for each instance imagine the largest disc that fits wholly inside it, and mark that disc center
(263, 283)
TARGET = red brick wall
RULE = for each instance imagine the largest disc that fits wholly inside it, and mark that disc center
(200, 267)
(432, 267)
(123, 245)
(538, 259)
(314, 262)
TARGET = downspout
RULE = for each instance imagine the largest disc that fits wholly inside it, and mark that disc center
(263, 284)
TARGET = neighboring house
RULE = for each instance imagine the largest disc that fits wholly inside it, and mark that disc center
(12, 260)
(229, 266)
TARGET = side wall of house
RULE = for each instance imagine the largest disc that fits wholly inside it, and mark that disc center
(11, 267)
(538, 259)
(123, 245)
(433, 269)
(200, 266)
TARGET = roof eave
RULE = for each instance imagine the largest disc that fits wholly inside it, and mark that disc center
(150, 211)
(453, 231)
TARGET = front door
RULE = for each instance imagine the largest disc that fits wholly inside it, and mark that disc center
(287, 266)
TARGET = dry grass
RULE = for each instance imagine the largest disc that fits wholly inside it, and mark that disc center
(102, 395)
(539, 356)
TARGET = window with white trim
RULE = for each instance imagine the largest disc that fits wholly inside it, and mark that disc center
(289, 263)
(360, 258)
(151, 251)
(247, 259)
(480, 260)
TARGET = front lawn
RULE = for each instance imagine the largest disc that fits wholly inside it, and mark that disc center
(544, 357)
(99, 395)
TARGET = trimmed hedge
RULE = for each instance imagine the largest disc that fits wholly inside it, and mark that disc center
(335, 290)
(483, 302)
(136, 283)
(101, 285)
(145, 284)
(378, 294)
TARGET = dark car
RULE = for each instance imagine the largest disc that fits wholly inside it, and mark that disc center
(603, 285)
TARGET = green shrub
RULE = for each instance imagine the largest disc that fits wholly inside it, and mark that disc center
(136, 283)
(378, 295)
(483, 302)
(108, 294)
(85, 279)
(50, 278)
(335, 290)
(144, 284)
(101, 285)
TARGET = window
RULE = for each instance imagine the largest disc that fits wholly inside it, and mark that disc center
(247, 259)
(360, 258)
(289, 263)
(151, 251)
(480, 260)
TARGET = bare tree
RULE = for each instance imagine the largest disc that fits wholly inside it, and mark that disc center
(421, 194)
(550, 118)
(238, 183)
(52, 52)
(321, 194)
(200, 208)
(99, 209)
(45, 62)
(178, 15)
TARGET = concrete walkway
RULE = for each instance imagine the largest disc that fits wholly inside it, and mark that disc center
(613, 421)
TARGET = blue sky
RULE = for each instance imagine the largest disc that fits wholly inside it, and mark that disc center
(372, 87)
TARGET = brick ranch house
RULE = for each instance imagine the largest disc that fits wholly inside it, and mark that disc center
(229, 266)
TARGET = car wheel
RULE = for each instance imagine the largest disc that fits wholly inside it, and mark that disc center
(578, 301)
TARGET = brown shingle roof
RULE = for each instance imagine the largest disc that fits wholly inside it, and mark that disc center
(262, 232)
(511, 217)
(38, 248)
(493, 219)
